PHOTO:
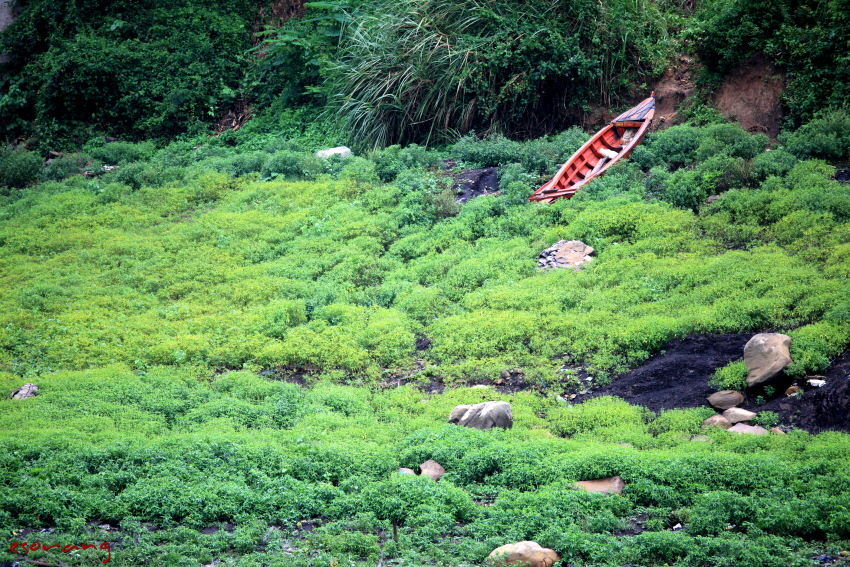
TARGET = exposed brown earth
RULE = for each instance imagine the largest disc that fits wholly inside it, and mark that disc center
(750, 95)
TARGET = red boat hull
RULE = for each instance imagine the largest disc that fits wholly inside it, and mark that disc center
(611, 144)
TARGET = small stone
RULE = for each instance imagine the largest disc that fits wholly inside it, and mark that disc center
(741, 428)
(24, 392)
(717, 421)
(793, 390)
(702, 438)
(734, 415)
(612, 484)
(404, 470)
(712, 199)
(432, 469)
(777, 431)
(506, 375)
(725, 399)
(480, 387)
(528, 553)
(625, 444)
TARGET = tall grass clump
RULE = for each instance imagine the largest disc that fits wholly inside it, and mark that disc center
(428, 71)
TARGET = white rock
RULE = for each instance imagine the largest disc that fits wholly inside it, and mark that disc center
(338, 151)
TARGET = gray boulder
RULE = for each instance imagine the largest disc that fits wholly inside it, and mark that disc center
(483, 416)
(24, 392)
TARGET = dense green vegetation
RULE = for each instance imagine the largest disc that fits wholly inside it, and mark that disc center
(145, 300)
(220, 326)
(308, 477)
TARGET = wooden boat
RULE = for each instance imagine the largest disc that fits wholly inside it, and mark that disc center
(611, 144)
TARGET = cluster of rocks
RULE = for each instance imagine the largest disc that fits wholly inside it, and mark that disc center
(488, 415)
(565, 254)
(766, 356)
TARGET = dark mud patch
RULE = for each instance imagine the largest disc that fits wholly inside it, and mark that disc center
(678, 376)
(475, 183)
(818, 409)
(423, 343)
(842, 174)
(299, 376)
(636, 525)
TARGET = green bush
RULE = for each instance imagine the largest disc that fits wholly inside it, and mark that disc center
(18, 167)
(63, 167)
(290, 165)
(733, 376)
(120, 153)
(172, 77)
(826, 137)
(776, 162)
(766, 419)
(597, 413)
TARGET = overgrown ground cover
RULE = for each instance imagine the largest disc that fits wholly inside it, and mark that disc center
(145, 302)
(308, 477)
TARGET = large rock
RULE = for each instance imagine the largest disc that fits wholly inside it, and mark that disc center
(766, 355)
(432, 469)
(717, 421)
(612, 484)
(565, 254)
(483, 416)
(734, 415)
(725, 399)
(741, 428)
(24, 392)
(527, 553)
(338, 151)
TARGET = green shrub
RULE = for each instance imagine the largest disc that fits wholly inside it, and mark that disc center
(733, 376)
(776, 162)
(597, 413)
(729, 139)
(290, 165)
(63, 167)
(18, 167)
(392, 160)
(488, 152)
(676, 146)
(687, 421)
(120, 153)
(826, 137)
(766, 419)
